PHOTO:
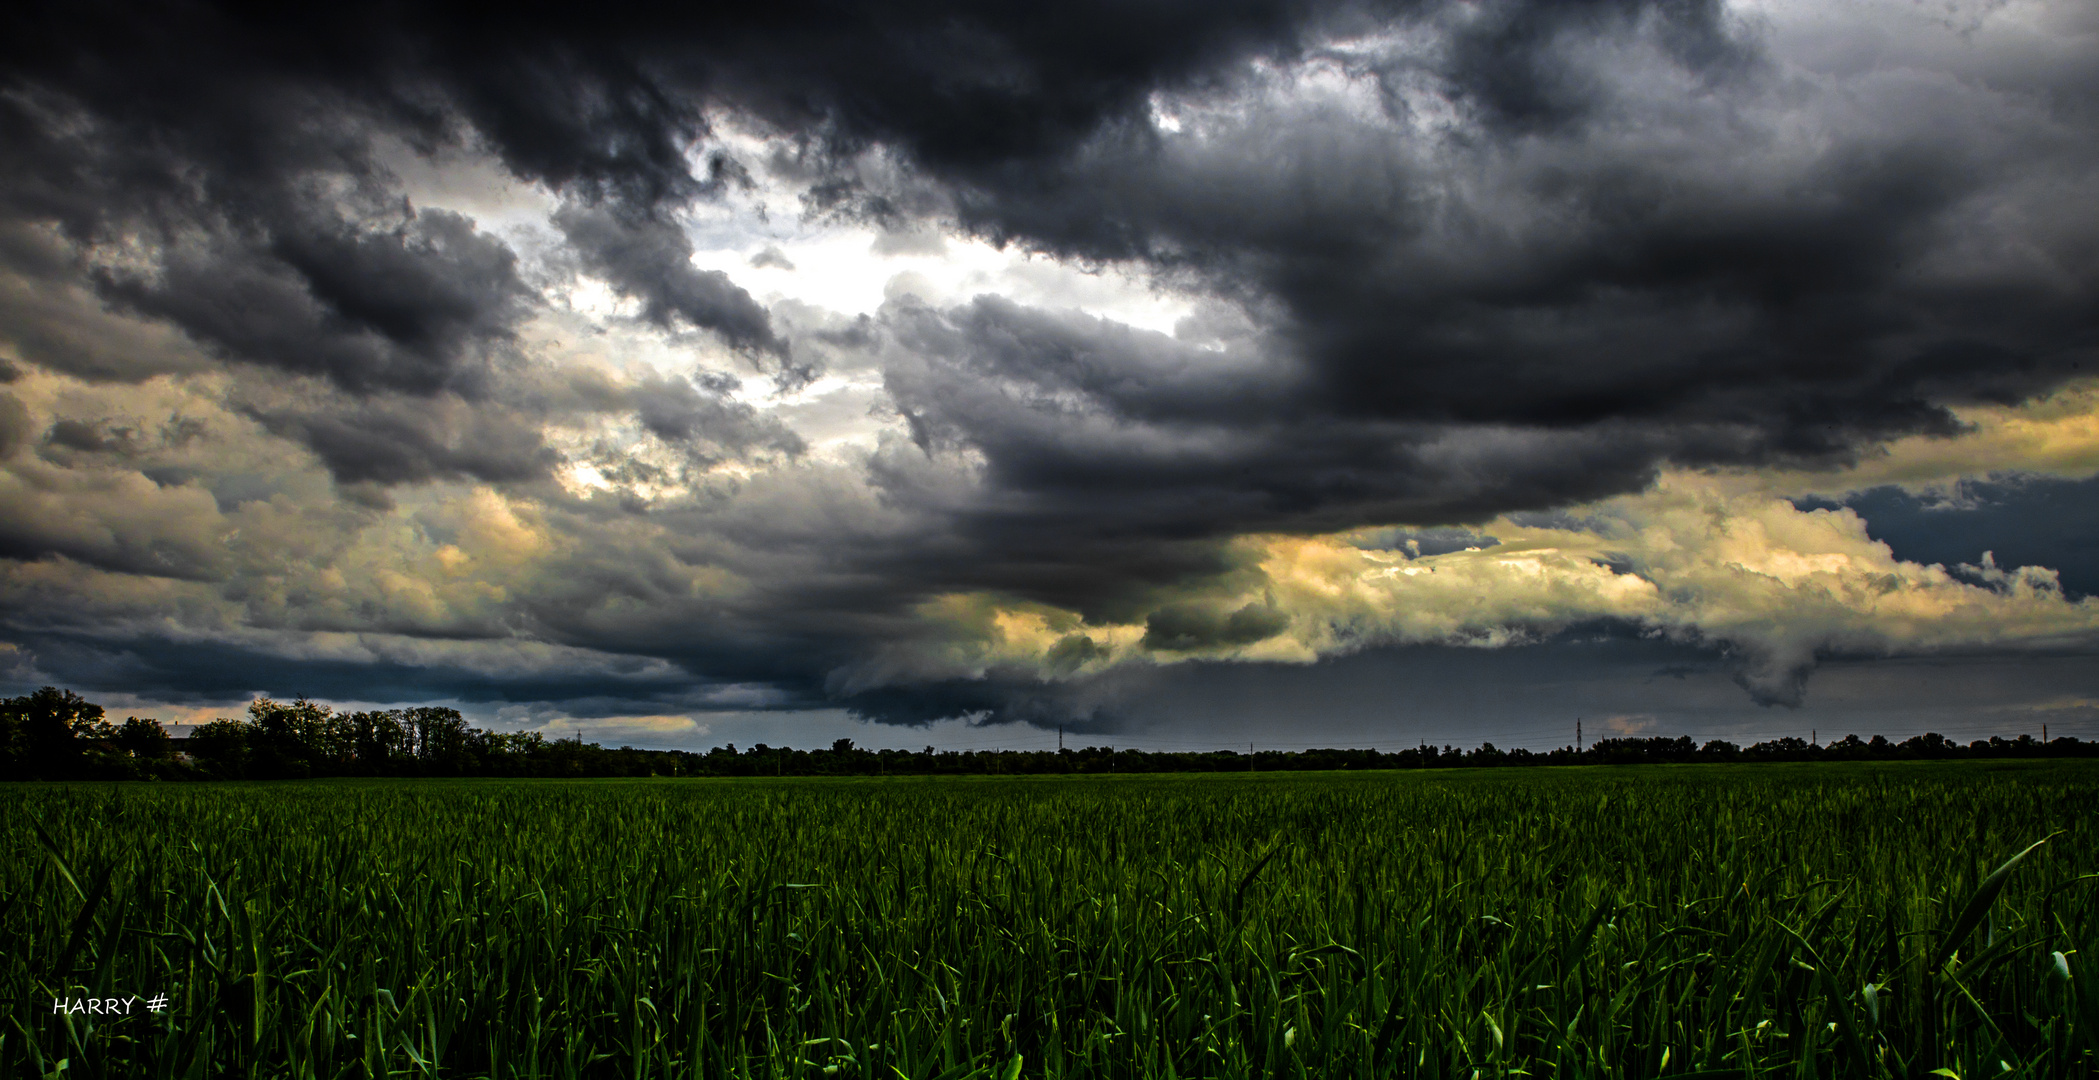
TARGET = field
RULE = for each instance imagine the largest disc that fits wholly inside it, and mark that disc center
(1783, 920)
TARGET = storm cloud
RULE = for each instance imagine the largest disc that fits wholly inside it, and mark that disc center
(938, 360)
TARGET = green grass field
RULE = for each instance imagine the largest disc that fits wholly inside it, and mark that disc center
(1814, 920)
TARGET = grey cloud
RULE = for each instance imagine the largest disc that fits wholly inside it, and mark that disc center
(1471, 323)
(411, 308)
(246, 208)
(773, 257)
(1581, 233)
(16, 427)
(75, 435)
(1532, 695)
(700, 414)
(1772, 676)
(51, 315)
(109, 519)
(1585, 292)
(1185, 627)
(209, 672)
(1074, 651)
(909, 242)
(398, 439)
(650, 258)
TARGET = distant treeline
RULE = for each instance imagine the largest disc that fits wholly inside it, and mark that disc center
(56, 735)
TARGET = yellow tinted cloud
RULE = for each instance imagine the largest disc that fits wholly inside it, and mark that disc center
(1691, 559)
(2056, 435)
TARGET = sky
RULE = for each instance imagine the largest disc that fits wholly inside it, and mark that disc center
(1185, 375)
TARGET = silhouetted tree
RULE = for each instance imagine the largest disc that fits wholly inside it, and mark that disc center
(222, 747)
(143, 738)
(55, 734)
(49, 732)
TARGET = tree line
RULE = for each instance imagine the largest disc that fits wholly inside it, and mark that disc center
(55, 734)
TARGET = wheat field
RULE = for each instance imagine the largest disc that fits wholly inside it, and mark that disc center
(1774, 920)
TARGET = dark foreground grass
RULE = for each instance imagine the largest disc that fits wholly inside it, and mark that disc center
(1764, 920)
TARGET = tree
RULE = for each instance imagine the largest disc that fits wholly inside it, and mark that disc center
(47, 733)
(223, 745)
(380, 740)
(290, 739)
(439, 737)
(143, 738)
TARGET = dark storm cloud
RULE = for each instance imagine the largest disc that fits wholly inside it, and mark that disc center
(1593, 277)
(195, 112)
(1509, 63)
(1530, 255)
(1542, 308)
(1122, 458)
(1599, 281)
(1617, 686)
(1602, 280)
(187, 672)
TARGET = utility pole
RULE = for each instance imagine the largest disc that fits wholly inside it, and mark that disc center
(1249, 755)
(1060, 738)
(1577, 734)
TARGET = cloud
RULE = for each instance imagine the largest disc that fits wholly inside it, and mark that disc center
(406, 308)
(895, 242)
(15, 428)
(289, 251)
(1777, 588)
(699, 413)
(2054, 434)
(53, 318)
(116, 520)
(1599, 290)
(1677, 250)
(771, 256)
(399, 439)
(649, 258)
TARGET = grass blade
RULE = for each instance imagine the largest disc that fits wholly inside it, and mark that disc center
(1979, 905)
(1239, 894)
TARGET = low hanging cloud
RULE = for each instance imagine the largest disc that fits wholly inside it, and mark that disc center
(1775, 587)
